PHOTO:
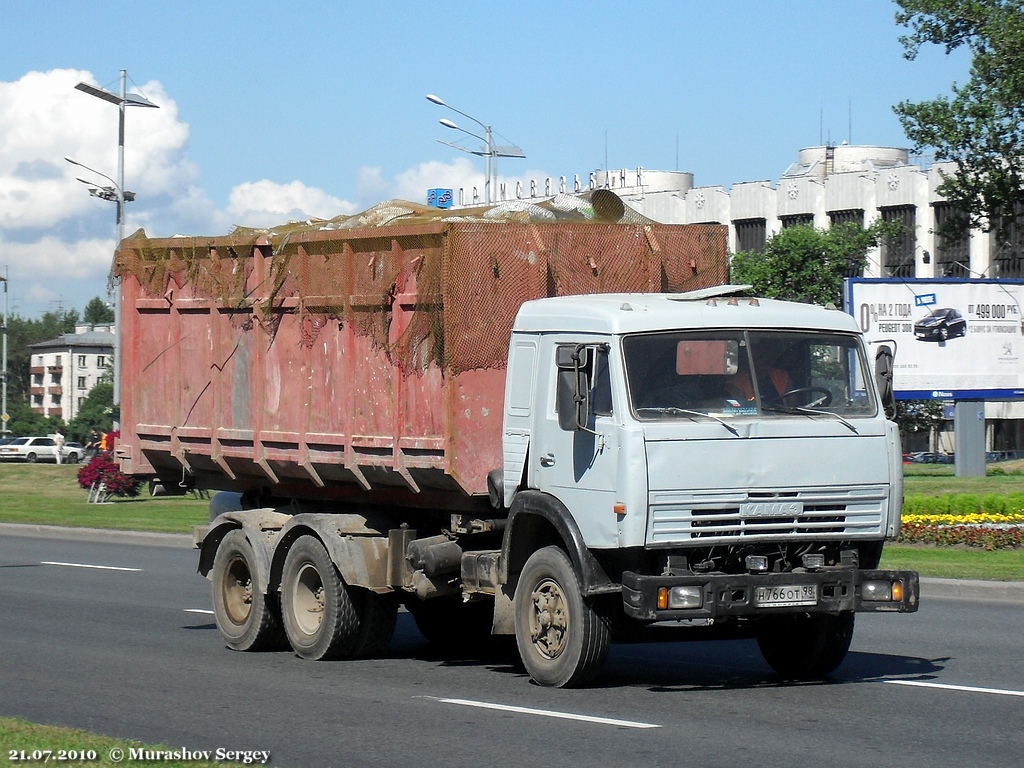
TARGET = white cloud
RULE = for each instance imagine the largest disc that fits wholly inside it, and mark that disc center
(266, 203)
(58, 241)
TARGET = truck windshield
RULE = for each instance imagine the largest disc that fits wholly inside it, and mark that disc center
(689, 374)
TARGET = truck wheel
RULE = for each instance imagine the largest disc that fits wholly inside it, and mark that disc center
(562, 639)
(247, 619)
(319, 616)
(805, 646)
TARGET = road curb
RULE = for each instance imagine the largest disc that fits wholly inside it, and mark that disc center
(970, 589)
(176, 540)
(963, 589)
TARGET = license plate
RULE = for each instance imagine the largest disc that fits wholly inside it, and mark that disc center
(787, 594)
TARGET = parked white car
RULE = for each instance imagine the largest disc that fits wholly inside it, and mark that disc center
(72, 453)
(30, 449)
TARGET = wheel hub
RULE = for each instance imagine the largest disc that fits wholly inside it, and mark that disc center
(308, 600)
(548, 622)
(238, 591)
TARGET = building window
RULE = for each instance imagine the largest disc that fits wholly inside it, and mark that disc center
(1008, 253)
(898, 251)
(750, 235)
(81, 402)
(851, 216)
(841, 218)
(101, 362)
(952, 237)
(81, 382)
(81, 361)
(797, 220)
(37, 401)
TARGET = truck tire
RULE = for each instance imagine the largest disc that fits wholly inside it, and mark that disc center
(247, 619)
(319, 617)
(562, 639)
(805, 646)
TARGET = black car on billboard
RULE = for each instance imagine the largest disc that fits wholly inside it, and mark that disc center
(940, 324)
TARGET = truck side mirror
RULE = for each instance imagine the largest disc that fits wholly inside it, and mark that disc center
(883, 379)
(572, 390)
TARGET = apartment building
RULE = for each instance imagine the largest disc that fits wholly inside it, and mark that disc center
(64, 369)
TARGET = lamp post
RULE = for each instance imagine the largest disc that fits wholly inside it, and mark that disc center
(117, 195)
(490, 151)
(3, 409)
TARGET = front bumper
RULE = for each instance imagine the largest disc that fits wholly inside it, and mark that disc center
(735, 595)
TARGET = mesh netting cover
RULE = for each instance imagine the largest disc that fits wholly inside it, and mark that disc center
(429, 286)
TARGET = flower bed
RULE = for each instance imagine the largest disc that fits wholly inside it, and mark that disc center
(102, 469)
(987, 522)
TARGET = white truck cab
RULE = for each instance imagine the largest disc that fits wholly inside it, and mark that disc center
(714, 459)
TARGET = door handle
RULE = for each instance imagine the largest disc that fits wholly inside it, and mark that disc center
(547, 460)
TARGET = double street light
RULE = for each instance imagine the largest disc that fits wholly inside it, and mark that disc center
(490, 151)
(115, 193)
(3, 408)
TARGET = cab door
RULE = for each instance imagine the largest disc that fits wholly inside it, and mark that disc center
(574, 456)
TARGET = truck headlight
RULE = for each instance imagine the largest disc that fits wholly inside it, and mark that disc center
(881, 591)
(676, 598)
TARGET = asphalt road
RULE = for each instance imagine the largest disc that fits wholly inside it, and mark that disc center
(134, 653)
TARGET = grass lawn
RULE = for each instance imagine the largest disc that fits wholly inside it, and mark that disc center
(956, 563)
(38, 744)
(47, 494)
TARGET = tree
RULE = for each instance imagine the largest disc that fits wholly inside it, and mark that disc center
(98, 313)
(96, 412)
(805, 264)
(915, 416)
(980, 127)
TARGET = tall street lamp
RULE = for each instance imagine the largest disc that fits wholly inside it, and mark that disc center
(117, 195)
(490, 151)
(3, 408)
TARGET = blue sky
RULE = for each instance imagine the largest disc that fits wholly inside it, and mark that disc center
(273, 111)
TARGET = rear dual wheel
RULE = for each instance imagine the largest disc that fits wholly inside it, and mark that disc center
(247, 619)
(323, 617)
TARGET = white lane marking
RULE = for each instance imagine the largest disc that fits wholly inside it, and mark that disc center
(96, 567)
(547, 713)
(198, 610)
(945, 687)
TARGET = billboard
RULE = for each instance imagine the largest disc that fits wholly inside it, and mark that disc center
(953, 339)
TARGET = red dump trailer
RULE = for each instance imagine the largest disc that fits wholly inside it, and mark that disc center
(342, 360)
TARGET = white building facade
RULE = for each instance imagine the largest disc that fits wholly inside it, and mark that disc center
(826, 185)
(65, 369)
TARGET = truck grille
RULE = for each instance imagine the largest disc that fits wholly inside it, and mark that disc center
(774, 515)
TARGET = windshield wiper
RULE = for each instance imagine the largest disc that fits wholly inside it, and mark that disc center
(671, 409)
(807, 412)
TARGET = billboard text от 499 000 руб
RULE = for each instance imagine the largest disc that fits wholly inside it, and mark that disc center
(954, 339)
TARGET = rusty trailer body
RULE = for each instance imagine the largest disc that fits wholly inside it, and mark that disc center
(326, 361)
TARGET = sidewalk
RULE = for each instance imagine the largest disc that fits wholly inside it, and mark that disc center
(963, 589)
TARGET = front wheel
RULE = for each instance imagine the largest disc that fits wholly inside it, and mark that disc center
(805, 646)
(562, 639)
(247, 619)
